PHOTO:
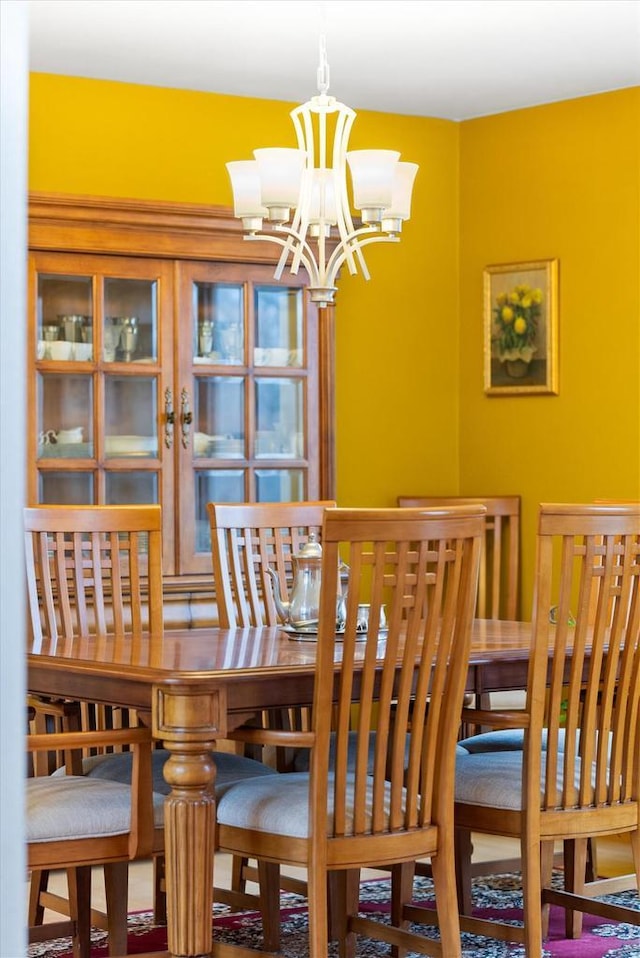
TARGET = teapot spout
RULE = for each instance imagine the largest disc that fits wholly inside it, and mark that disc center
(282, 608)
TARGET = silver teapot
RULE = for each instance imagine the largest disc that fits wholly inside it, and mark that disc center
(303, 608)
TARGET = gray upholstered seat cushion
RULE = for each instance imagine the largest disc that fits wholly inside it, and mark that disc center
(278, 805)
(72, 806)
(301, 758)
(503, 740)
(494, 779)
(116, 767)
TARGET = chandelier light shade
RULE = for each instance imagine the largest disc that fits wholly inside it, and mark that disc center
(299, 198)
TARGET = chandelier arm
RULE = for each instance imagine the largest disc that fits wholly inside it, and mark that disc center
(304, 136)
(308, 260)
(340, 253)
(302, 121)
(296, 243)
(349, 245)
(322, 165)
(344, 223)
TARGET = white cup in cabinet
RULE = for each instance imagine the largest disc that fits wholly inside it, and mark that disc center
(60, 349)
(70, 435)
(82, 352)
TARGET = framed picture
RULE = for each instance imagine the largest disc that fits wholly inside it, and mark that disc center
(521, 328)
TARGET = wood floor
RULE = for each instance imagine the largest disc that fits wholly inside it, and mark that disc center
(614, 858)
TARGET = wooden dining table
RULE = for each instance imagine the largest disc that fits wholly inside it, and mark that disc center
(200, 684)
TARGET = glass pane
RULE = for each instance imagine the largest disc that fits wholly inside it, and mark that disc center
(279, 418)
(220, 485)
(131, 488)
(279, 325)
(66, 488)
(219, 417)
(65, 318)
(131, 320)
(130, 416)
(65, 416)
(280, 485)
(218, 323)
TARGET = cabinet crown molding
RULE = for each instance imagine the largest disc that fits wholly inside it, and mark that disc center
(133, 227)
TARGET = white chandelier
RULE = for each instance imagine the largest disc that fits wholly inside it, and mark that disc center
(305, 201)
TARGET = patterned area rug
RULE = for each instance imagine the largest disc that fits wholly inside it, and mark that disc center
(497, 896)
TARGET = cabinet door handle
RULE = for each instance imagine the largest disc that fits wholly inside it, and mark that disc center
(169, 419)
(185, 417)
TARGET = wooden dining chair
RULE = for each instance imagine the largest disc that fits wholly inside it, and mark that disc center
(97, 571)
(91, 570)
(422, 565)
(498, 598)
(246, 539)
(499, 580)
(576, 776)
(511, 739)
(74, 822)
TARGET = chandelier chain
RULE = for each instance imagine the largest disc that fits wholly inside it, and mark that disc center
(323, 69)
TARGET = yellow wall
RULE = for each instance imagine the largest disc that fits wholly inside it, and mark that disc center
(562, 181)
(557, 181)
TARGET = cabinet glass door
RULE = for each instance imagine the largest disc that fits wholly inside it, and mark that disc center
(130, 417)
(251, 366)
(64, 416)
(64, 318)
(101, 329)
(130, 321)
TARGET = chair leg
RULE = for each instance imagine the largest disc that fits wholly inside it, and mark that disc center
(318, 883)
(444, 886)
(635, 851)
(238, 880)
(38, 884)
(592, 860)
(463, 850)
(159, 891)
(116, 885)
(343, 891)
(402, 877)
(575, 870)
(532, 893)
(79, 885)
(546, 865)
(269, 879)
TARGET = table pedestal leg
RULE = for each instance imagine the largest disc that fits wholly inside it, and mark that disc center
(189, 815)
(188, 720)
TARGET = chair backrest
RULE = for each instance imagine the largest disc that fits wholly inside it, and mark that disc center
(246, 539)
(499, 581)
(584, 673)
(423, 566)
(93, 569)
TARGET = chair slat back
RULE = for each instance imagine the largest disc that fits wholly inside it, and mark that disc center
(93, 569)
(246, 539)
(588, 689)
(422, 565)
(499, 580)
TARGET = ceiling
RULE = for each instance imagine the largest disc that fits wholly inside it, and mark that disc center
(453, 59)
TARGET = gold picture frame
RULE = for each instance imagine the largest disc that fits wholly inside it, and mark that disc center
(521, 328)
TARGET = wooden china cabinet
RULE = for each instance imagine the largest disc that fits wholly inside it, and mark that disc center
(166, 364)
